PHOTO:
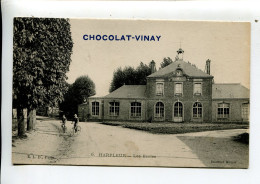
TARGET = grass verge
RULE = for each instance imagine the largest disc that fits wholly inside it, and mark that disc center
(176, 128)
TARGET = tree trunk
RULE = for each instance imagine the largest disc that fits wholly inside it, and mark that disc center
(31, 119)
(20, 119)
(34, 118)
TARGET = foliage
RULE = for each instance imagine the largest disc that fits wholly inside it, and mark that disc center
(42, 55)
(41, 58)
(69, 103)
(166, 62)
(130, 76)
(82, 88)
(243, 138)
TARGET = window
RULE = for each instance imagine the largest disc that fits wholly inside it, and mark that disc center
(178, 109)
(197, 89)
(197, 110)
(159, 110)
(113, 108)
(223, 110)
(95, 108)
(245, 111)
(178, 89)
(136, 109)
(159, 88)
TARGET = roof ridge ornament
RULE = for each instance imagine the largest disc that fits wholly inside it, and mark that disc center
(180, 53)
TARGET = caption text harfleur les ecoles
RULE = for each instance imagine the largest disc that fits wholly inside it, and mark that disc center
(111, 37)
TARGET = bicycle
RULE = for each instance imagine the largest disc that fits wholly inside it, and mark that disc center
(76, 130)
(64, 128)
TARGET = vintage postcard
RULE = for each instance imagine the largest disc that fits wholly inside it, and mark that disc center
(131, 92)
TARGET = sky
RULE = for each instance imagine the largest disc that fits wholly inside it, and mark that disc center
(226, 44)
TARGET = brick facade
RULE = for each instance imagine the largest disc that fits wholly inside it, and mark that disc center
(187, 99)
(179, 92)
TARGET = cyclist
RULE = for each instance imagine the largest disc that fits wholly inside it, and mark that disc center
(76, 120)
(63, 121)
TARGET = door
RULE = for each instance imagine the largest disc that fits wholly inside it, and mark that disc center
(178, 112)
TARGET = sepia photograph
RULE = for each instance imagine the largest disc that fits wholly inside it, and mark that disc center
(145, 93)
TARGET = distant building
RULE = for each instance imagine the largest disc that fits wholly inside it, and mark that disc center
(180, 92)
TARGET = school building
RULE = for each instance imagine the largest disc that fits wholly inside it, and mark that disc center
(179, 92)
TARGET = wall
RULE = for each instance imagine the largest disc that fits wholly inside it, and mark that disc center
(124, 110)
(235, 114)
(85, 110)
(187, 99)
(187, 89)
(187, 110)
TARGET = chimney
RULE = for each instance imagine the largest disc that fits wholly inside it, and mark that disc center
(152, 65)
(207, 67)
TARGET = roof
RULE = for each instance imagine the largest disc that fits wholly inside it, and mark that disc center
(188, 69)
(96, 96)
(128, 91)
(229, 91)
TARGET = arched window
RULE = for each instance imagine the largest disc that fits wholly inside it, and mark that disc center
(113, 108)
(159, 110)
(95, 108)
(223, 110)
(197, 110)
(178, 109)
(136, 109)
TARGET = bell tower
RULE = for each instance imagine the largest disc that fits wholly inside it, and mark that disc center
(180, 54)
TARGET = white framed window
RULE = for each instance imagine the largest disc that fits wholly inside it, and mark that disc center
(197, 88)
(159, 110)
(197, 110)
(223, 110)
(245, 111)
(159, 88)
(136, 109)
(114, 108)
(95, 108)
(178, 88)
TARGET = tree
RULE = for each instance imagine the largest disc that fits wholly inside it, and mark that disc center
(142, 71)
(67, 106)
(166, 62)
(130, 76)
(78, 92)
(42, 55)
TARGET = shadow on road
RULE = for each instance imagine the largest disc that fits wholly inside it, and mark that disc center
(218, 152)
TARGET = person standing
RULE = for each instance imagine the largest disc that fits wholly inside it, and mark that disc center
(76, 121)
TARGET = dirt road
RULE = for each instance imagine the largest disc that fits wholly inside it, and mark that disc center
(108, 145)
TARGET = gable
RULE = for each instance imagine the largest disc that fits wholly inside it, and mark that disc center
(187, 68)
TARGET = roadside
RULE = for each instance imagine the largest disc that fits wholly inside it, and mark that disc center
(44, 145)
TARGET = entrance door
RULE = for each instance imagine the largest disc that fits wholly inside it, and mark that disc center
(178, 112)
